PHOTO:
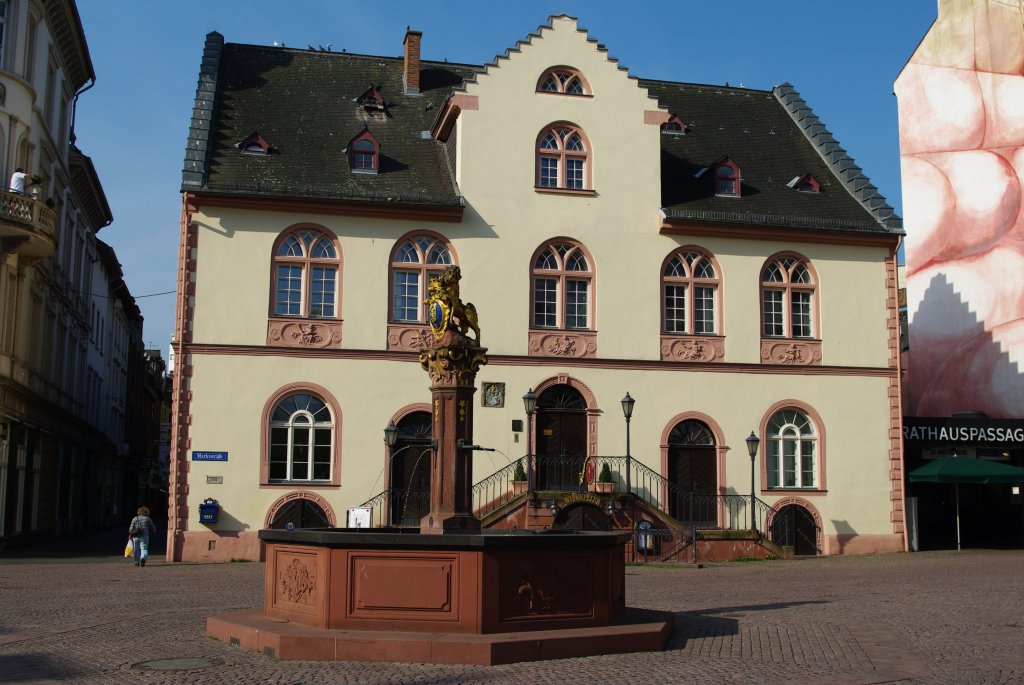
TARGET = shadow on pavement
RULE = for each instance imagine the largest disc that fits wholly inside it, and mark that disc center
(20, 668)
(102, 543)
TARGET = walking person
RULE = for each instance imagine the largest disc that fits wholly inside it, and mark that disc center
(140, 529)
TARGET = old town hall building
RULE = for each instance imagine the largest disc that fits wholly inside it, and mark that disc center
(711, 251)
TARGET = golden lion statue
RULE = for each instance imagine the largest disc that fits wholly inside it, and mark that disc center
(445, 307)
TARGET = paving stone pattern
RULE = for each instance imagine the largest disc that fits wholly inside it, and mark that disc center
(930, 618)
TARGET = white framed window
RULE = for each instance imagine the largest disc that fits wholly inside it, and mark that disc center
(416, 260)
(562, 287)
(690, 291)
(791, 450)
(301, 440)
(788, 298)
(306, 269)
(563, 157)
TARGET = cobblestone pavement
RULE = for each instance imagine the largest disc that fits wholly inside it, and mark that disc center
(929, 618)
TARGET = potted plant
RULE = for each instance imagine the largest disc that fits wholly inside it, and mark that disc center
(519, 479)
(604, 479)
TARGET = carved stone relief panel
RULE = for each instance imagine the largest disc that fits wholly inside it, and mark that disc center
(791, 352)
(565, 344)
(303, 333)
(692, 348)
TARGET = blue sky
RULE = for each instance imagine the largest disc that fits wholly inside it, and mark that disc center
(841, 56)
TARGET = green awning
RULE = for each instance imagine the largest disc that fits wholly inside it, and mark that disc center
(965, 470)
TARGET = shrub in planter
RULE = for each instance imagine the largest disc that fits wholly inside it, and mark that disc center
(520, 473)
(606, 474)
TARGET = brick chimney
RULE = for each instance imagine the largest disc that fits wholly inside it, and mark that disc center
(412, 61)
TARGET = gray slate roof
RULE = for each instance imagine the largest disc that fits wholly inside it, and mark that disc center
(302, 103)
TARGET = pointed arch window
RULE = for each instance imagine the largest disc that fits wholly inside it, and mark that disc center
(301, 445)
(306, 268)
(563, 80)
(562, 287)
(690, 293)
(563, 158)
(788, 298)
(416, 260)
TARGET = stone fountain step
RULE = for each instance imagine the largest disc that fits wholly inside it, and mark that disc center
(637, 630)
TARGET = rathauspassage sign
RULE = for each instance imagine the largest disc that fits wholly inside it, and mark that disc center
(981, 431)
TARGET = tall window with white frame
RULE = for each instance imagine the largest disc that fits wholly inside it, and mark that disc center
(787, 299)
(690, 290)
(3, 32)
(306, 269)
(792, 457)
(301, 440)
(562, 287)
(563, 156)
(416, 261)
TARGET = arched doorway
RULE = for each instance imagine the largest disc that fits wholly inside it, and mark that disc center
(581, 517)
(561, 438)
(410, 470)
(301, 513)
(794, 526)
(693, 469)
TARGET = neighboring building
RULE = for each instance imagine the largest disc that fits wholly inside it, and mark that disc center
(962, 146)
(711, 250)
(65, 312)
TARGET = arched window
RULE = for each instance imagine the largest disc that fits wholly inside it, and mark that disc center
(727, 178)
(416, 260)
(690, 293)
(562, 287)
(301, 445)
(364, 153)
(791, 450)
(564, 80)
(787, 298)
(563, 158)
(674, 125)
(306, 267)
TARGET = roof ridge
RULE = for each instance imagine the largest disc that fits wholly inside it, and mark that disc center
(197, 149)
(835, 156)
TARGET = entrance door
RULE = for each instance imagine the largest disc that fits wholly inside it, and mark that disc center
(301, 513)
(794, 526)
(581, 517)
(561, 438)
(693, 469)
(410, 470)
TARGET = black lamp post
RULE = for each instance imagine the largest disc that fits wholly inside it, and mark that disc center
(390, 437)
(627, 411)
(530, 404)
(753, 442)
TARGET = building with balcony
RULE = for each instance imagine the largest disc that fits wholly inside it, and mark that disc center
(712, 252)
(69, 327)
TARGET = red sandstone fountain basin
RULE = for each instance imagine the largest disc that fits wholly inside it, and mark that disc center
(482, 598)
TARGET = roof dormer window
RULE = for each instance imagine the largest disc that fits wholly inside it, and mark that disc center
(727, 178)
(371, 99)
(805, 184)
(674, 125)
(255, 144)
(364, 153)
(563, 80)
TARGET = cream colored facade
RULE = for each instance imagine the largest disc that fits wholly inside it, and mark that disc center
(229, 373)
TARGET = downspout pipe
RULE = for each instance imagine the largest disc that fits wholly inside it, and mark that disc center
(74, 107)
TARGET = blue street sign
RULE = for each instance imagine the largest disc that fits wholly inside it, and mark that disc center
(209, 456)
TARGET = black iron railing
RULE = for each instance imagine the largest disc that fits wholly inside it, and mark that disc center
(686, 512)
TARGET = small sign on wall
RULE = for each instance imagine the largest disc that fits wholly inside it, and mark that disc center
(359, 517)
(209, 456)
(215, 480)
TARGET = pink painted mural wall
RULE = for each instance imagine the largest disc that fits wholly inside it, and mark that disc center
(961, 112)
